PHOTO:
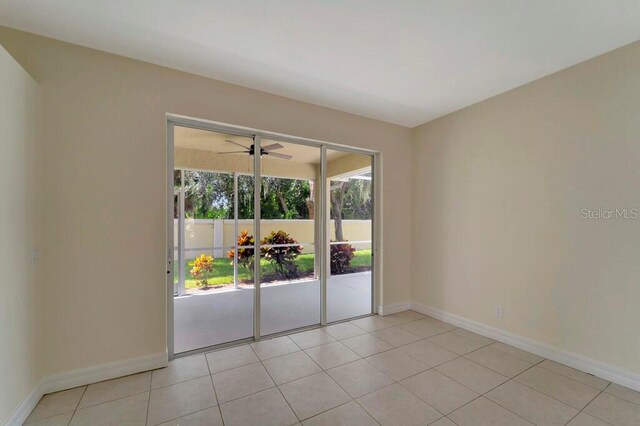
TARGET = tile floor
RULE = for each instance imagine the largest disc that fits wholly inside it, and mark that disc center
(401, 369)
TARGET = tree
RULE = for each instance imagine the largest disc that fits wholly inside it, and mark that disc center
(337, 203)
(284, 198)
(350, 199)
(311, 202)
(209, 195)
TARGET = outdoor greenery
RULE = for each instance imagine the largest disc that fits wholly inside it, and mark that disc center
(209, 195)
(282, 259)
(350, 199)
(245, 255)
(202, 269)
(341, 256)
(223, 269)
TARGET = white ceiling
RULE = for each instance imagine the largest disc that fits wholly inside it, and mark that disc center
(402, 61)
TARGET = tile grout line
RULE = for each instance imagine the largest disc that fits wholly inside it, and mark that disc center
(515, 356)
(509, 378)
(274, 382)
(398, 381)
(348, 394)
(323, 370)
(500, 405)
(483, 395)
(215, 393)
(184, 415)
(121, 397)
(480, 395)
(571, 378)
(146, 420)
(504, 353)
(179, 382)
(554, 398)
(620, 397)
(493, 402)
(330, 378)
(451, 420)
(535, 390)
(510, 410)
(394, 381)
(76, 409)
(582, 410)
(341, 405)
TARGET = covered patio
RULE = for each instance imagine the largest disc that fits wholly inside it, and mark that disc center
(213, 277)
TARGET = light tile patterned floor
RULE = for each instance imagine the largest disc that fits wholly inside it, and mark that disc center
(401, 369)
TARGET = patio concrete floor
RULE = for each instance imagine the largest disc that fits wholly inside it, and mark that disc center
(203, 320)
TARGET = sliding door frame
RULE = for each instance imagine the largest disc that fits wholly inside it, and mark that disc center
(174, 120)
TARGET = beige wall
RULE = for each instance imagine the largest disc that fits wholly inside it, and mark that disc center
(499, 189)
(20, 234)
(105, 227)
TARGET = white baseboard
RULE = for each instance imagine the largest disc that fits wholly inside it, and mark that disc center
(24, 409)
(394, 308)
(85, 376)
(580, 362)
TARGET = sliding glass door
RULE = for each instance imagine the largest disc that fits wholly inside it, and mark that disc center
(351, 202)
(304, 234)
(213, 300)
(289, 276)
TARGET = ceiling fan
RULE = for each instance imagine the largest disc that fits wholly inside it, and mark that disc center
(267, 150)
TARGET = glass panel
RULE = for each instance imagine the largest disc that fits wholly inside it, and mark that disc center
(209, 207)
(245, 238)
(350, 186)
(290, 287)
(216, 305)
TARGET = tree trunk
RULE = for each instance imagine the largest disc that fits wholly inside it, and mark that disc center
(337, 202)
(310, 201)
(283, 203)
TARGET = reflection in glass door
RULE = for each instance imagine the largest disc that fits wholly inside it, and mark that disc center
(351, 197)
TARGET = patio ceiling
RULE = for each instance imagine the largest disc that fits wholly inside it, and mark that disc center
(200, 149)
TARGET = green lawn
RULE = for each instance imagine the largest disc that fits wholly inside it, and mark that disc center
(223, 268)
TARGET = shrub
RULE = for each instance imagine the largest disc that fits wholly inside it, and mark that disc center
(282, 259)
(202, 268)
(245, 255)
(341, 256)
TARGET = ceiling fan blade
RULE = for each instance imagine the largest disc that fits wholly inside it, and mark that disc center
(276, 155)
(232, 152)
(272, 147)
(236, 143)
